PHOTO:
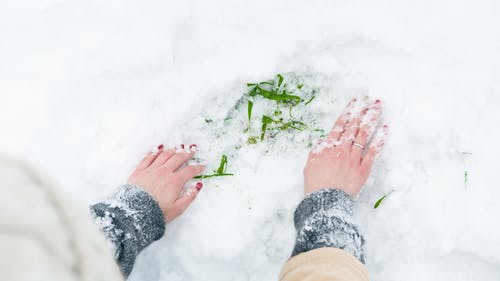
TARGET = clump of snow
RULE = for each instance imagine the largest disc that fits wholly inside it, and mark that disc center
(323, 144)
(88, 86)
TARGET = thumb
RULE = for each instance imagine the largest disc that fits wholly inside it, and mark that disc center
(188, 197)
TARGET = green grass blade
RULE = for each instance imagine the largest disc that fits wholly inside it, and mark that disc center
(249, 110)
(213, 175)
(310, 100)
(222, 166)
(270, 95)
(280, 80)
(253, 92)
(266, 120)
(379, 201)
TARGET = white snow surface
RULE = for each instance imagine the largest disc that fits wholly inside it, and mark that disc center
(88, 87)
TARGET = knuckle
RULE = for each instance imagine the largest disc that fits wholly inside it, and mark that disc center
(181, 156)
(186, 156)
(188, 171)
(193, 169)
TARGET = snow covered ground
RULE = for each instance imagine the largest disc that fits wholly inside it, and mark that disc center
(87, 87)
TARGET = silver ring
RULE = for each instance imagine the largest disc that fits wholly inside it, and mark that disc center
(359, 145)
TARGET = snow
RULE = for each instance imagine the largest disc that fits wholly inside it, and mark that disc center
(87, 87)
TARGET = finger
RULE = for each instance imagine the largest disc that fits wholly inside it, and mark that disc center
(352, 127)
(180, 157)
(367, 127)
(149, 158)
(188, 197)
(163, 157)
(339, 126)
(376, 146)
(187, 173)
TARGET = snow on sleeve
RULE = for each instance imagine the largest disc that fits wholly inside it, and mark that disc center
(324, 219)
(131, 220)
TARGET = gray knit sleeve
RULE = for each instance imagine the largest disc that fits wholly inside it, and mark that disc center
(131, 220)
(324, 219)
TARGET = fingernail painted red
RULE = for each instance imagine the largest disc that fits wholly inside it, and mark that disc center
(182, 146)
(377, 101)
(160, 147)
(193, 145)
(385, 126)
(199, 185)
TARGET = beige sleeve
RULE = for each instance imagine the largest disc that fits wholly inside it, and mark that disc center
(323, 264)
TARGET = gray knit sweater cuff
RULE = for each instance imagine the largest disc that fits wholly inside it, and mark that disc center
(324, 219)
(131, 219)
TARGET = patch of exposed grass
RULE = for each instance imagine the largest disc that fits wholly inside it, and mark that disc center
(284, 97)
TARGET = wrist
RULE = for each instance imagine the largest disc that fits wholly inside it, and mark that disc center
(312, 189)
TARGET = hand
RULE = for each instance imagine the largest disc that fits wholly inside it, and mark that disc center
(162, 175)
(344, 160)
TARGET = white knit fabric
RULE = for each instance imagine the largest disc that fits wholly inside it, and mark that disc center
(43, 236)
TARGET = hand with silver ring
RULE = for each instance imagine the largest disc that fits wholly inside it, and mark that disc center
(345, 159)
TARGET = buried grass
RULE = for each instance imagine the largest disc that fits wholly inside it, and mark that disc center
(285, 97)
(277, 100)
